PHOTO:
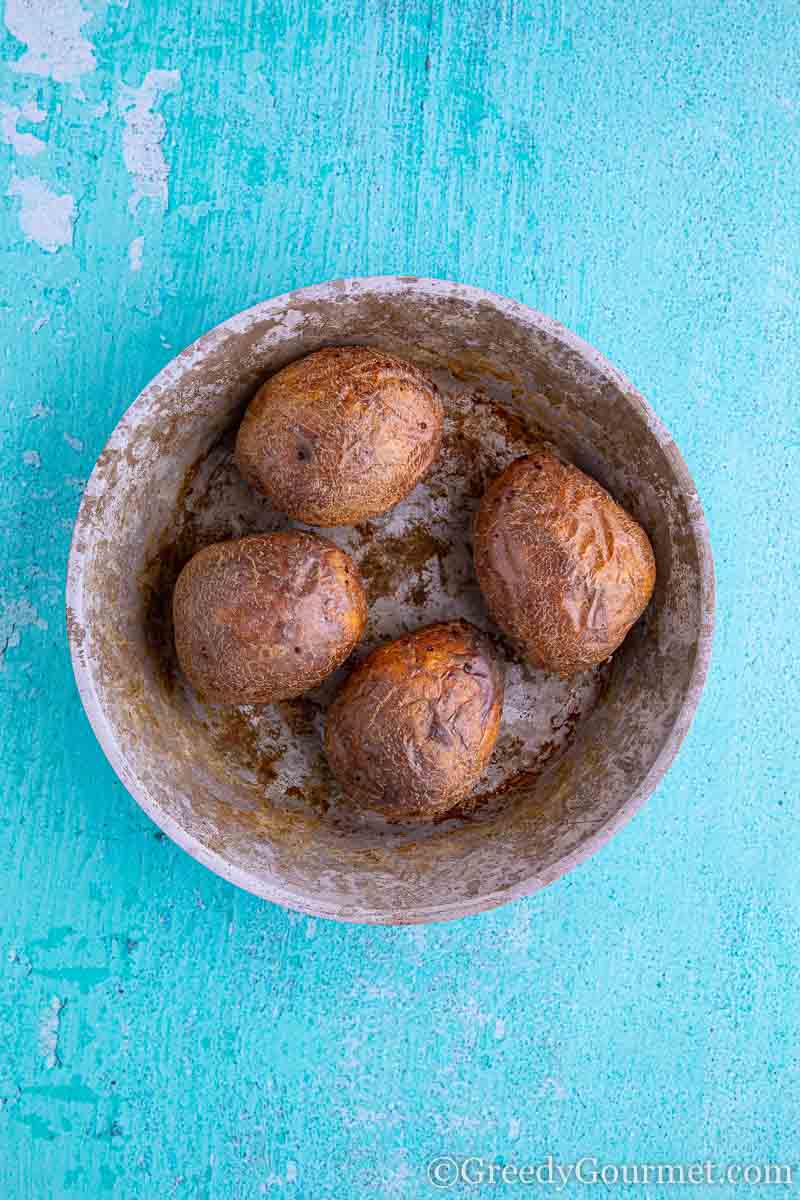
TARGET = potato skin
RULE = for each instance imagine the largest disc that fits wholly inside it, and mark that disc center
(266, 617)
(564, 570)
(415, 724)
(341, 435)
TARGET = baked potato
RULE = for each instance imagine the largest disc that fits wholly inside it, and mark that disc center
(341, 435)
(266, 617)
(413, 727)
(565, 571)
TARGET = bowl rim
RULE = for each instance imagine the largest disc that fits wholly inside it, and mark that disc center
(280, 894)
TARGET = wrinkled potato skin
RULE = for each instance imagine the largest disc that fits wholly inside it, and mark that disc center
(413, 727)
(564, 570)
(267, 617)
(341, 435)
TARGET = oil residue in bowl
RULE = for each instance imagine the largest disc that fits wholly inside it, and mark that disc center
(417, 567)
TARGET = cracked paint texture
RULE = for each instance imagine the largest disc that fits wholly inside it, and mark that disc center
(634, 170)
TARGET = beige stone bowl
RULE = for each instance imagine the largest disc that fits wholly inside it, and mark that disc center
(247, 791)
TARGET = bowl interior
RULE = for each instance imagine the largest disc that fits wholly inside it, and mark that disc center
(247, 790)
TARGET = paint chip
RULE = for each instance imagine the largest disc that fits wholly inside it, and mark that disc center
(49, 1028)
(16, 616)
(135, 253)
(27, 145)
(51, 31)
(45, 217)
(32, 458)
(194, 213)
(551, 1084)
(143, 134)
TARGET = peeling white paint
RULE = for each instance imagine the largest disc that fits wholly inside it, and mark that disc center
(49, 1028)
(194, 213)
(74, 442)
(553, 1086)
(20, 960)
(27, 145)
(45, 217)
(274, 1180)
(32, 458)
(39, 410)
(135, 251)
(514, 1128)
(143, 135)
(16, 616)
(38, 324)
(499, 1028)
(51, 31)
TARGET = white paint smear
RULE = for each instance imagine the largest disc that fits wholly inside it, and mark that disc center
(32, 458)
(135, 253)
(45, 217)
(27, 145)
(51, 31)
(144, 132)
(74, 442)
(49, 1027)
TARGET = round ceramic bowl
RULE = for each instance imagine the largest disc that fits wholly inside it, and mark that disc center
(247, 790)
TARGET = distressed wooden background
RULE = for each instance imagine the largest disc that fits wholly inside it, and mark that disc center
(631, 169)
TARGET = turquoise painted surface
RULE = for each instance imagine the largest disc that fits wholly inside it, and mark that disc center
(631, 169)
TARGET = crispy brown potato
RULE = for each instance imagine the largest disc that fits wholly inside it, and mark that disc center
(266, 617)
(341, 435)
(564, 569)
(414, 726)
